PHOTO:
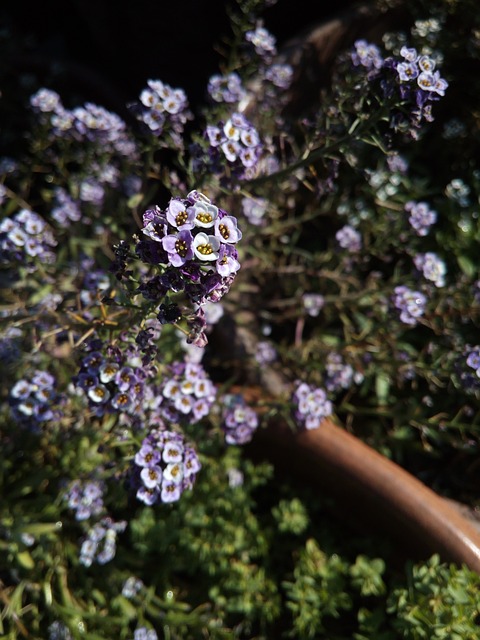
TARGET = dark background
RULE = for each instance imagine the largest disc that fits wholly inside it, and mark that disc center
(108, 50)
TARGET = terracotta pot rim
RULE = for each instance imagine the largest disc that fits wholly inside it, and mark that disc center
(373, 487)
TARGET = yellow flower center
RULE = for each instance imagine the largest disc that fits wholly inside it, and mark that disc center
(204, 217)
(224, 231)
(181, 218)
(205, 249)
(181, 248)
(123, 399)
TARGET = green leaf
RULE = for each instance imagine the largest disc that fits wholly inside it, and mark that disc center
(382, 387)
(25, 560)
(467, 266)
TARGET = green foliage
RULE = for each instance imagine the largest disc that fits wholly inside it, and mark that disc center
(291, 516)
(318, 591)
(440, 601)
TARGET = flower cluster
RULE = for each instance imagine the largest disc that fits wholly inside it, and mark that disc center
(367, 55)
(265, 352)
(66, 210)
(338, 374)
(254, 210)
(237, 141)
(100, 544)
(412, 77)
(263, 42)
(59, 631)
(349, 238)
(419, 84)
(85, 498)
(467, 367)
(25, 237)
(311, 405)
(132, 587)
(10, 340)
(89, 122)
(411, 304)
(239, 420)
(114, 379)
(432, 267)
(163, 109)
(313, 303)
(186, 393)
(35, 400)
(164, 467)
(280, 75)
(226, 88)
(422, 69)
(194, 242)
(473, 360)
(421, 216)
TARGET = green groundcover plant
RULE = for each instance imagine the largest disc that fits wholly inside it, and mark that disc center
(340, 235)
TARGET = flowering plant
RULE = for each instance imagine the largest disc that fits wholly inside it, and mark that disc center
(317, 241)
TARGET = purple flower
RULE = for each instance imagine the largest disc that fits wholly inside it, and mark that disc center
(432, 267)
(191, 233)
(338, 374)
(407, 71)
(265, 353)
(46, 100)
(227, 263)
(409, 53)
(367, 55)
(100, 543)
(179, 247)
(176, 467)
(239, 420)
(148, 456)
(214, 135)
(66, 209)
(173, 451)
(226, 230)
(124, 390)
(171, 492)
(25, 236)
(163, 109)
(151, 476)
(254, 210)
(421, 216)
(35, 402)
(473, 359)
(313, 303)
(180, 216)
(349, 238)
(189, 392)
(311, 405)
(280, 75)
(263, 42)
(142, 633)
(432, 82)
(226, 88)
(411, 304)
(238, 142)
(148, 496)
(85, 498)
